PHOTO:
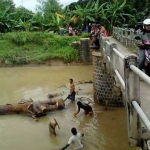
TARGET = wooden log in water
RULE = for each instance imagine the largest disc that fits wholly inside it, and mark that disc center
(13, 108)
(34, 109)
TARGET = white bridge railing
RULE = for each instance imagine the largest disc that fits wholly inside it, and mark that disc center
(125, 35)
(127, 74)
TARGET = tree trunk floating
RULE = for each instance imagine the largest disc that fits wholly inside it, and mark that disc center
(34, 109)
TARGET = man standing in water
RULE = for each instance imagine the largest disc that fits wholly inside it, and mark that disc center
(72, 91)
(74, 140)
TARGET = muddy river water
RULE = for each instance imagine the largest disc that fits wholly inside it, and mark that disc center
(105, 130)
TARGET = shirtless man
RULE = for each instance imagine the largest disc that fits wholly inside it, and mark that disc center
(103, 30)
(72, 91)
(86, 107)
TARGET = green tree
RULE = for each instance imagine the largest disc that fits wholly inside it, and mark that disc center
(4, 4)
(23, 14)
(84, 14)
(48, 7)
(112, 13)
(140, 5)
(39, 21)
(6, 21)
(24, 25)
(6, 15)
(67, 17)
(55, 24)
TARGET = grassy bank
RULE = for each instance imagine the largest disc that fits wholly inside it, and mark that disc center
(27, 47)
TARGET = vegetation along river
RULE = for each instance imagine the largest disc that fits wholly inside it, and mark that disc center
(105, 130)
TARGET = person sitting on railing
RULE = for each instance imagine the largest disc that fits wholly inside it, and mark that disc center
(103, 30)
(93, 29)
(94, 42)
(140, 43)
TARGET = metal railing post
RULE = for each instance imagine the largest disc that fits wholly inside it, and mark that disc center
(102, 42)
(132, 92)
(126, 37)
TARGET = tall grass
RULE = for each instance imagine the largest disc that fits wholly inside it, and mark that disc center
(25, 47)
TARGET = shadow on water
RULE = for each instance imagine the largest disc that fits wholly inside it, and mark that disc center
(105, 130)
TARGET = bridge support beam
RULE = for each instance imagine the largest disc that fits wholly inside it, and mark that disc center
(105, 90)
(84, 51)
(132, 92)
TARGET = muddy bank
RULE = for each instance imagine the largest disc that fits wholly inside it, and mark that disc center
(50, 62)
(60, 62)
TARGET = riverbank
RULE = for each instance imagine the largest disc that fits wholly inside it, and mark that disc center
(28, 48)
(50, 62)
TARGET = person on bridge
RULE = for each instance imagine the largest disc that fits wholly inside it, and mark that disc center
(102, 29)
(86, 107)
(144, 37)
(74, 140)
(94, 41)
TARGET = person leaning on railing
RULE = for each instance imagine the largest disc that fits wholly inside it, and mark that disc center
(103, 30)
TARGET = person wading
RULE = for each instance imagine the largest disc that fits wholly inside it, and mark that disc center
(72, 91)
(74, 140)
(86, 107)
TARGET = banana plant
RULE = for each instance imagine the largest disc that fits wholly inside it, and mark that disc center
(39, 21)
(84, 14)
(55, 24)
(6, 21)
(67, 18)
(112, 12)
(95, 9)
(24, 25)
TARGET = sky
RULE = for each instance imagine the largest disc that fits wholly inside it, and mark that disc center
(31, 4)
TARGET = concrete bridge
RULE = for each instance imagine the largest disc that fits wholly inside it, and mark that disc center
(117, 81)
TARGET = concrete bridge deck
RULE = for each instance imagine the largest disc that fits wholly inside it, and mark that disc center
(144, 88)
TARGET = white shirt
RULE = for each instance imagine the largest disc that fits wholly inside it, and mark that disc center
(75, 140)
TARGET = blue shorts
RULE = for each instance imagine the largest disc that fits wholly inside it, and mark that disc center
(73, 96)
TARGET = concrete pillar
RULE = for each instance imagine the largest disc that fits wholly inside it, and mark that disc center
(105, 91)
(84, 51)
(132, 92)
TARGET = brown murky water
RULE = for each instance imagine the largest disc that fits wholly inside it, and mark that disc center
(105, 130)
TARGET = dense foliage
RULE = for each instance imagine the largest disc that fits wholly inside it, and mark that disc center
(106, 12)
(26, 47)
(26, 35)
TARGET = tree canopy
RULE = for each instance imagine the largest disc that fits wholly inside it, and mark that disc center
(50, 14)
